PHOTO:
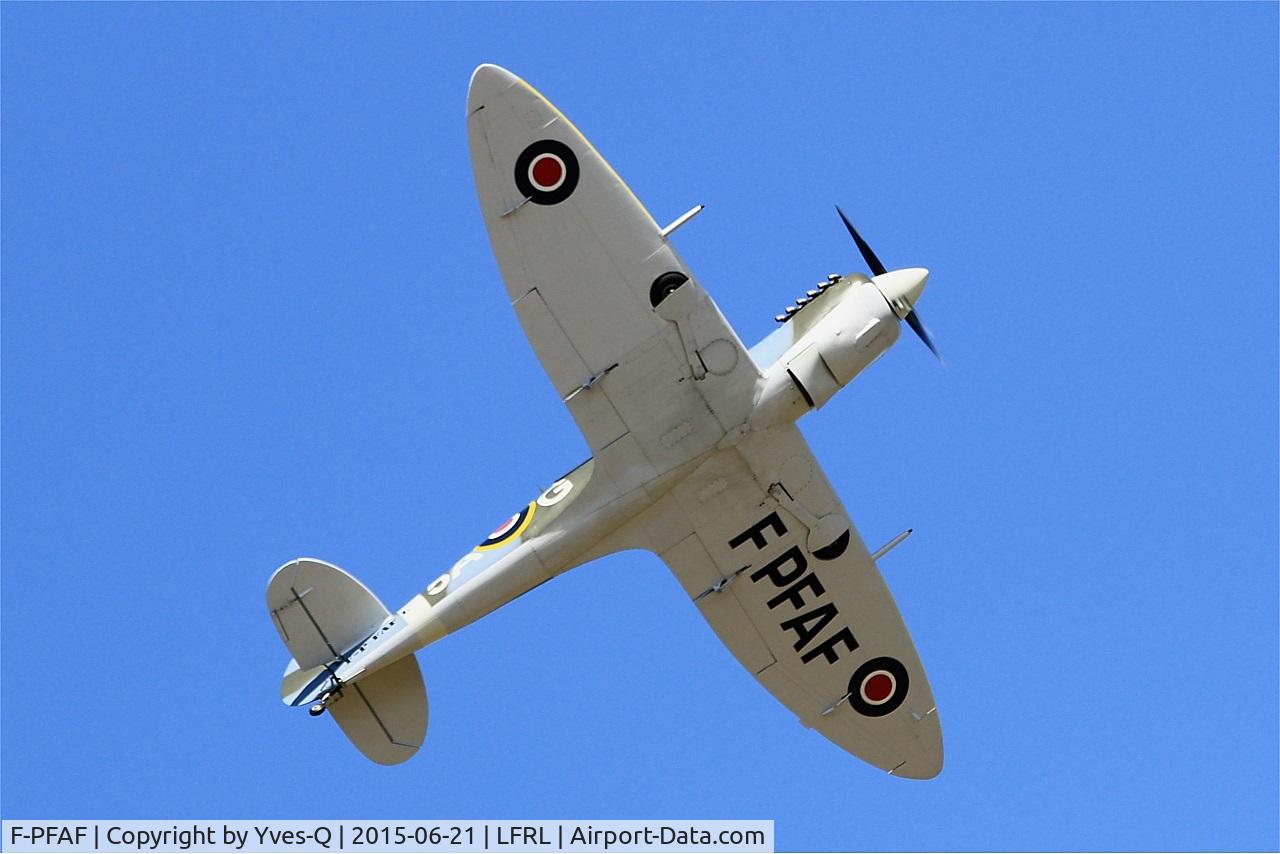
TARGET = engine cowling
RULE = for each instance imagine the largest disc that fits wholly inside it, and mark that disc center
(829, 349)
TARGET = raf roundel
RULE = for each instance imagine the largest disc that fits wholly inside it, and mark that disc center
(508, 530)
(546, 172)
(878, 687)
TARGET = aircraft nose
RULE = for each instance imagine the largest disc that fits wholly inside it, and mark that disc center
(902, 288)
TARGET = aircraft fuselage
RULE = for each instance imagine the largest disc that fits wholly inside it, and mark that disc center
(812, 356)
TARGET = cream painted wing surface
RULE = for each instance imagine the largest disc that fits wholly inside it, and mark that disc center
(761, 543)
(647, 365)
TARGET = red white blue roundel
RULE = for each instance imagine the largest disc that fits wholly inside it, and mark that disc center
(509, 529)
(547, 172)
(878, 687)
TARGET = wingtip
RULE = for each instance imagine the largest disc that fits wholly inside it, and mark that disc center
(489, 68)
(924, 765)
(486, 81)
(912, 771)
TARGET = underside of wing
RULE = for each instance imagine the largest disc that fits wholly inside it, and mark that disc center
(650, 370)
(760, 542)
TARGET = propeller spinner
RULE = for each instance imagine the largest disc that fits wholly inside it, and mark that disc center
(901, 288)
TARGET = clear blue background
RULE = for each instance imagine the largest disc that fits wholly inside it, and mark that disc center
(250, 312)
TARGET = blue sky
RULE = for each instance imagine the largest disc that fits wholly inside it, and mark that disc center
(250, 312)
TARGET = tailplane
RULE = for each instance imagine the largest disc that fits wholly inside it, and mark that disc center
(322, 615)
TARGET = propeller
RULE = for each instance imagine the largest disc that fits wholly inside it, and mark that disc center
(900, 287)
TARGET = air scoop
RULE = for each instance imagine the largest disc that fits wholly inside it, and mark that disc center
(901, 288)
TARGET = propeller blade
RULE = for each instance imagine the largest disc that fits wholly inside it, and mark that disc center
(913, 320)
(877, 269)
(873, 262)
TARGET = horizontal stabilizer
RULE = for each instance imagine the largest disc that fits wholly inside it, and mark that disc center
(320, 611)
(385, 713)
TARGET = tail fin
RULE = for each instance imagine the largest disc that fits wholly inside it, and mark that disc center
(322, 613)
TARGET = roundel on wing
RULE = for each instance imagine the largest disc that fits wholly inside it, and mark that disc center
(508, 530)
(546, 172)
(878, 687)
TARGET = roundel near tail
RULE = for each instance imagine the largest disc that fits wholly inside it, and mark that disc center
(510, 529)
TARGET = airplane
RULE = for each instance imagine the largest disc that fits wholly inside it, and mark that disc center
(695, 456)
